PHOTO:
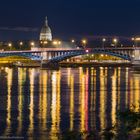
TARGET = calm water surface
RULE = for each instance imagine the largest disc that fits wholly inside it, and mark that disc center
(37, 103)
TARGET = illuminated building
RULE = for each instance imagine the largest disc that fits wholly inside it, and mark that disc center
(46, 34)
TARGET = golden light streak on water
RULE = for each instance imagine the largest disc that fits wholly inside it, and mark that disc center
(43, 100)
(71, 102)
(114, 97)
(102, 98)
(31, 105)
(83, 101)
(55, 105)
(136, 101)
(131, 91)
(9, 105)
(126, 86)
(69, 76)
(118, 86)
(93, 98)
(21, 79)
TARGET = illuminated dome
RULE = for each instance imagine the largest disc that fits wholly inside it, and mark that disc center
(45, 34)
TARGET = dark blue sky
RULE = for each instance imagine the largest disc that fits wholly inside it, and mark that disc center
(22, 19)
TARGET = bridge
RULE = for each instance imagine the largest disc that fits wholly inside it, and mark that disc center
(53, 57)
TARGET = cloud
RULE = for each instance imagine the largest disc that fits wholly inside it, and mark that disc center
(20, 29)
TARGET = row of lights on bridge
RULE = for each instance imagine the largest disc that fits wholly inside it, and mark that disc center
(83, 41)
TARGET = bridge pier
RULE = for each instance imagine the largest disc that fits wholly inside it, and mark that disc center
(136, 59)
(50, 65)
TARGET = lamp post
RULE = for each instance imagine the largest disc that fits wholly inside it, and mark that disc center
(21, 44)
(133, 40)
(84, 43)
(32, 44)
(72, 41)
(103, 41)
(10, 46)
(115, 41)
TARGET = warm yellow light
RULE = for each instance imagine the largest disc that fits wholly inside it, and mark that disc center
(21, 43)
(45, 42)
(32, 43)
(102, 55)
(115, 40)
(55, 42)
(84, 41)
(59, 42)
(137, 39)
(10, 44)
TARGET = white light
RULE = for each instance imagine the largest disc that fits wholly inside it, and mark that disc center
(132, 38)
(10, 44)
(115, 40)
(73, 41)
(87, 51)
(32, 43)
(104, 40)
(21, 43)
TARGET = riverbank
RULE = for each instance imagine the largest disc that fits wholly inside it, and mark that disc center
(93, 64)
(66, 64)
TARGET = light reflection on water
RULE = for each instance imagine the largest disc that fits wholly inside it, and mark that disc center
(42, 103)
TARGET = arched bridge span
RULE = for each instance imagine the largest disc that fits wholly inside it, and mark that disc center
(73, 53)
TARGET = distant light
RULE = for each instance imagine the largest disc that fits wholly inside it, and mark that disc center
(87, 51)
(55, 43)
(45, 42)
(137, 39)
(102, 55)
(132, 38)
(21, 43)
(73, 41)
(32, 43)
(84, 41)
(10, 44)
(115, 40)
(104, 39)
(59, 42)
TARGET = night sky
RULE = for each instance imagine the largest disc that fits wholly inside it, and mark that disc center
(22, 19)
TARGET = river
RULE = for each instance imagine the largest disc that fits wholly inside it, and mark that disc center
(39, 103)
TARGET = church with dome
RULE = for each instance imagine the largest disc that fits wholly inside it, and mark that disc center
(46, 34)
(47, 43)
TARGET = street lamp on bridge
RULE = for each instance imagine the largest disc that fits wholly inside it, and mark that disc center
(32, 44)
(103, 41)
(115, 41)
(84, 42)
(10, 45)
(20, 44)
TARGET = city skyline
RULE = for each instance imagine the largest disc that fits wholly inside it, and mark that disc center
(23, 20)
